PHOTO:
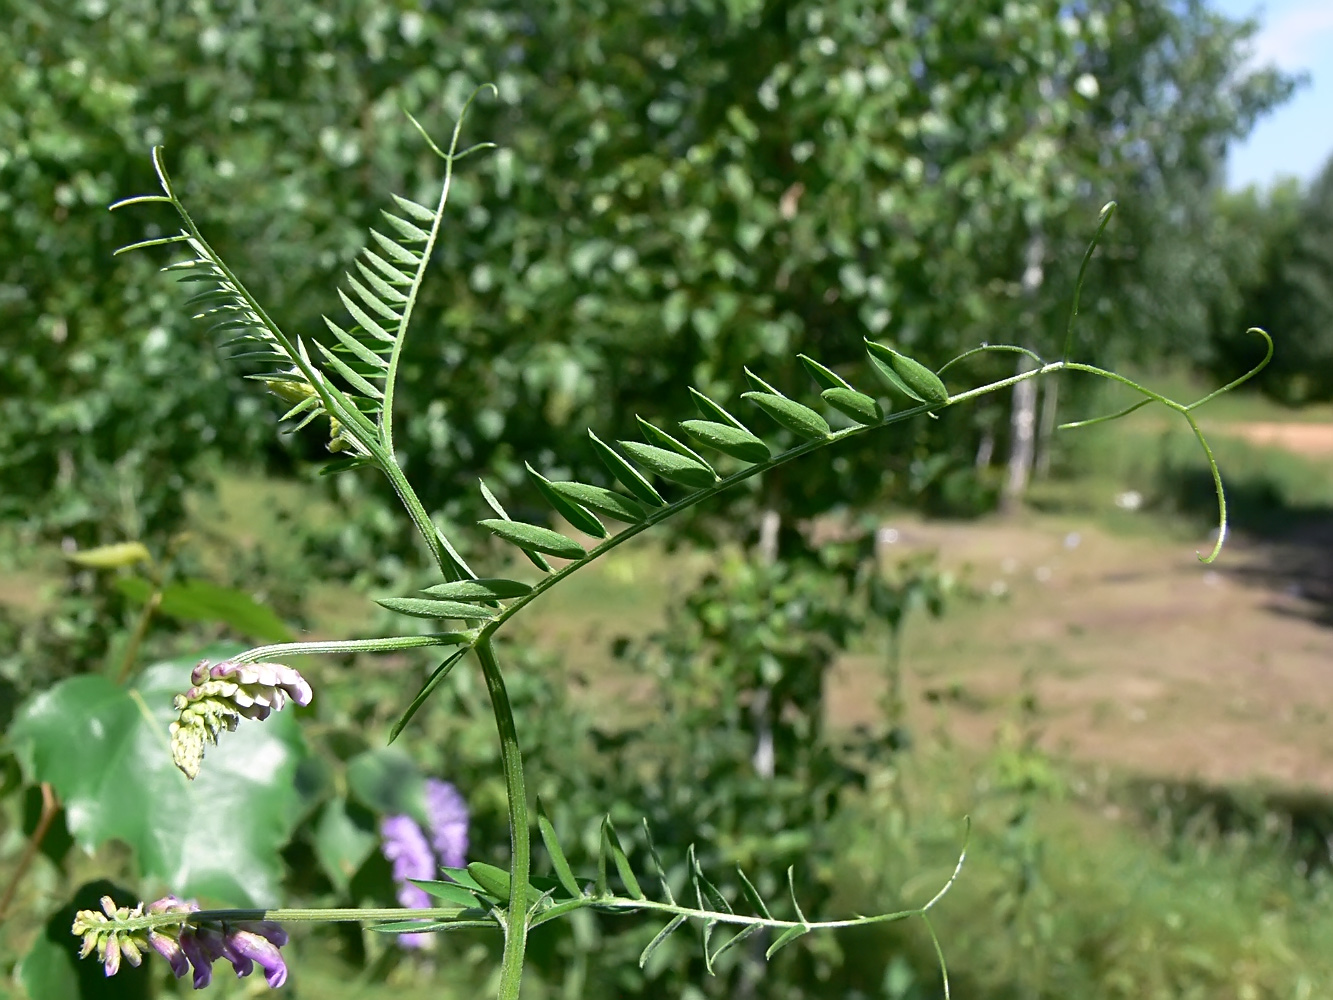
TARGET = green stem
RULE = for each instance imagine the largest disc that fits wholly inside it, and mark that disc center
(450, 562)
(131, 652)
(520, 859)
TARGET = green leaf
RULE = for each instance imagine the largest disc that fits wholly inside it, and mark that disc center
(495, 882)
(406, 230)
(199, 600)
(572, 512)
(660, 438)
(671, 465)
(216, 837)
(388, 781)
(920, 381)
(611, 842)
(558, 860)
(784, 939)
(464, 878)
(628, 476)
(419, 212)
(857, 405)
(662, 935)
(752, 894)
(432, 682)
(823, 377)
(604, 501)
(714, 411)
(891, 379)
(111, 556)
(479, 590)
(744, 934)
(794, 416)
(535, 558)
(344, 837)
(729, 440)
(420, 607)
(759, 384)
(534, 538)
(450, 892)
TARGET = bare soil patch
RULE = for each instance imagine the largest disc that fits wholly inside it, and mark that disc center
(1139, 657)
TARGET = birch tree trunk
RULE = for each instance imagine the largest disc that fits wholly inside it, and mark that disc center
(1023, 416)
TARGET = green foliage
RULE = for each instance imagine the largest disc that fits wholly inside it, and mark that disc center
(1290, 283)
(119, 783)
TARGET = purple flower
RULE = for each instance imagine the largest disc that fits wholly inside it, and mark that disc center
(248, 944)
(447, 813)
(406, 849)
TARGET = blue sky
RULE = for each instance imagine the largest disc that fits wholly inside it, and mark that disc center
(1296, 139)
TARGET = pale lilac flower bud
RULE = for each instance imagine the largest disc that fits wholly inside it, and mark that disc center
(447, 812)
(221, 696)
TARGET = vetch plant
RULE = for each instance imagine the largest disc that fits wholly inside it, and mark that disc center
(344, 378)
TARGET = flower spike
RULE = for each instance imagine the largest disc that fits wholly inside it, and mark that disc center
(224, 694)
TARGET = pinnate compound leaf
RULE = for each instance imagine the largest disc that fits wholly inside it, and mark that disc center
(662, 935)
(923, 383)
(604, 501)
(104, 750)
(582, 519)
(796, 417)
(857, 405)
(628, 476)
(111, 556)
(531, 537)
(729, 440)
(479, 590)
(824, 377)
(671, 465)
(420, 607)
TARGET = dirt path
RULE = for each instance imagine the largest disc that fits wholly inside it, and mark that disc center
(1314, 440)
(1139, 657)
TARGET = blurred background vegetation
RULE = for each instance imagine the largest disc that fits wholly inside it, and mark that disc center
(835, 666)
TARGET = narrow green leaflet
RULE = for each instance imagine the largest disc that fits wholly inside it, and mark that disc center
(104, 750)
(432, 682)
(857, 405)
(662, 935)
(784, 939)
(890, 378)
(671, 465)
(796, 417)
(571, 511)
(729, 440)
(628, 476)
(602, 500)
(714, 411)
(656, 436)
(558, 860)
(479, 590)
(450, 892)
(920, 381)
(611, 844)
(824, 378)
(420, 607)
(534, 538)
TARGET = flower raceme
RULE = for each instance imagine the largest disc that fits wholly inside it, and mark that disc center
(221, 696)
(184, 945)
(407, 849)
